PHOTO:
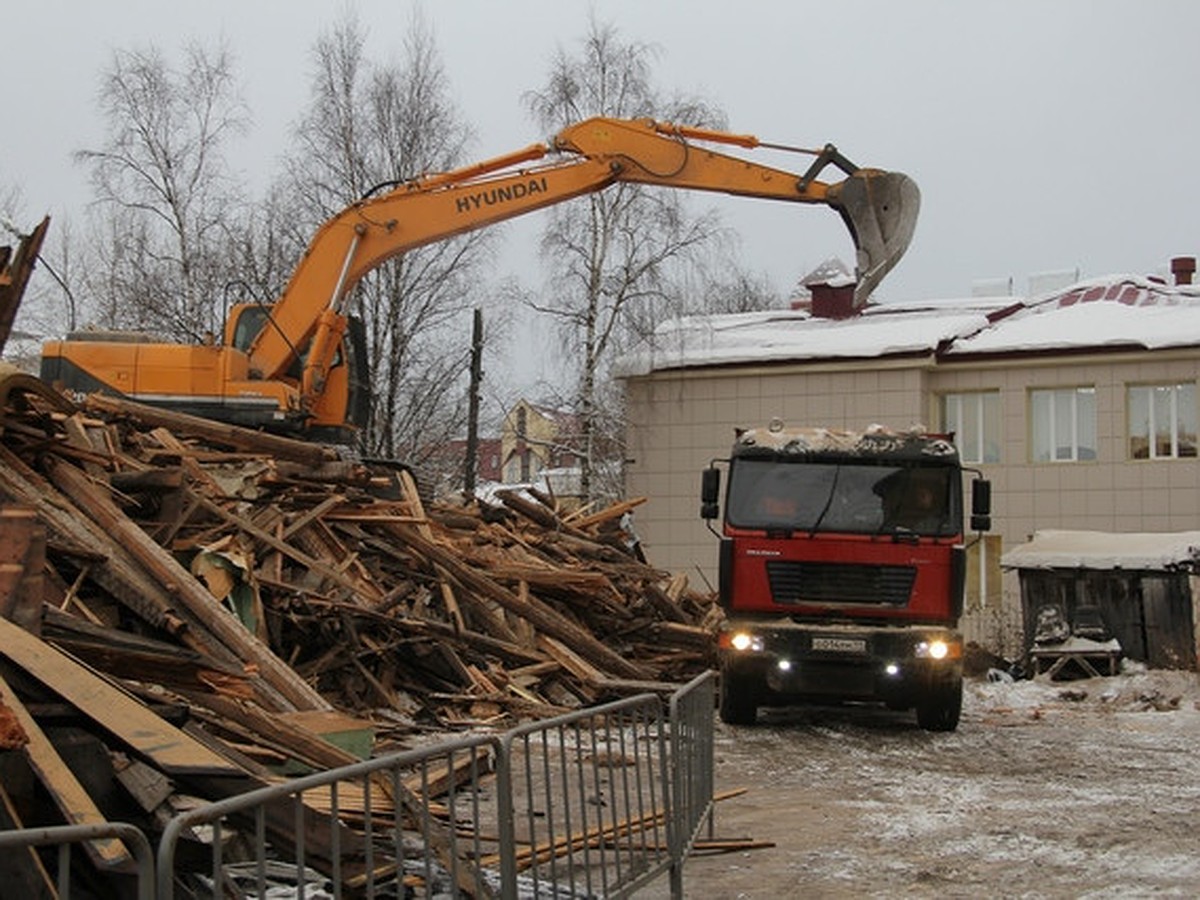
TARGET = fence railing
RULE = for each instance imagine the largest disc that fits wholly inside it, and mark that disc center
(586, 795)
(414, 817)
(596, 803)
(65, 837)
(692, 769)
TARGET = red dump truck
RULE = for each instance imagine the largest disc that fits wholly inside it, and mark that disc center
(842, 569)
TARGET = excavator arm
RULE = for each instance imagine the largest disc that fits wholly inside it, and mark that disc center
(879, 208)
(278, 367)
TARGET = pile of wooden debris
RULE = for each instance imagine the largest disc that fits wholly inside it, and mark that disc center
(190, 611)
(247, 576)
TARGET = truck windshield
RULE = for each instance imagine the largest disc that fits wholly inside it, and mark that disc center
(844, 497)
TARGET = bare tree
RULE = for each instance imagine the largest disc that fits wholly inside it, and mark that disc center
(12, 210)
(165, 195)
(369, 126)
(613, 254)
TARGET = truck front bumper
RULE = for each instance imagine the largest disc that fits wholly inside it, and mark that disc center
(895, 665)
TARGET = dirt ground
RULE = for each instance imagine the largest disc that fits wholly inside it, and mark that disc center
(1066, 789)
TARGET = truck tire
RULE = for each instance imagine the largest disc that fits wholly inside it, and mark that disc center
(737, 700)
(940, 707)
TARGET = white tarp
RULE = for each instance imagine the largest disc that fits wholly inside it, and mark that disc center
(1061, 549)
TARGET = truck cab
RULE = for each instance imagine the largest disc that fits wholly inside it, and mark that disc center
(842, 569)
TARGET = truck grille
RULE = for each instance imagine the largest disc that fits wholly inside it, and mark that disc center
(818, 582)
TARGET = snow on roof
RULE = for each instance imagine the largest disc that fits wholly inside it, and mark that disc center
(1117, 310)
(779, 335)
(1060, 549)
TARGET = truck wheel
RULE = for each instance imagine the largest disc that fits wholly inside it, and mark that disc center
(737, 700)
(939, 709)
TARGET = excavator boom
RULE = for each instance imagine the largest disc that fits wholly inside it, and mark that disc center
(297, 364)
(879, 208)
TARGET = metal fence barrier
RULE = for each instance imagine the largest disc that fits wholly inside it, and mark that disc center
(587, 801)
(64, 837)
(596, 803)
(692, 769)
(355, 830)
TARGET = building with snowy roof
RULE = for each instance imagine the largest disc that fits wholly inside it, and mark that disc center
(1079, 404)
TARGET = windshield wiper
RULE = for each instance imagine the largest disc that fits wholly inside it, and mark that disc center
(837, 471)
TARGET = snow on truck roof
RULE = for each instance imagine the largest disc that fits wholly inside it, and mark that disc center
(777, 439)
(1102, 313)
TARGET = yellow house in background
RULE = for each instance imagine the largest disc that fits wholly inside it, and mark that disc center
(535, 439)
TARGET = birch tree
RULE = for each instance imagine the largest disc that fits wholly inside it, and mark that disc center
(165, 197)
(613, 257)
(369, 126)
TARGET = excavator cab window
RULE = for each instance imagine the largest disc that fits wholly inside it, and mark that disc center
(250, 321)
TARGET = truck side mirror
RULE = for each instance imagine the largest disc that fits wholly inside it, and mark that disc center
(710, 493)
(981, 505)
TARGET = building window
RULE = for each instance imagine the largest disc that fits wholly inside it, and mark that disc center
(1063, 424)
(1162, 421)
(974, 419)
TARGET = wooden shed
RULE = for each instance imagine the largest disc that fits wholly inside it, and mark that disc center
(1144, 589)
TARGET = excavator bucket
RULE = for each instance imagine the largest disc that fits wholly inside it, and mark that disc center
(880, 209)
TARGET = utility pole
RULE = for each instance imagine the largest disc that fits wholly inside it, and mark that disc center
(470, 466)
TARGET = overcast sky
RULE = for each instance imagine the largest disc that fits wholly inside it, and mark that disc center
(1045, 136)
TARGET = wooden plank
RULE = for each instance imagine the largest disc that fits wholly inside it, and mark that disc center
(14, 275)
(75, 533)
(448, 597)
(171, 749)
(312, 515)
(22, 561)
(544, 618)
(218, 432)
(60, 782)
(165, 569)
(266, 537)
(612, 512)
(569, 660)
(439, 777)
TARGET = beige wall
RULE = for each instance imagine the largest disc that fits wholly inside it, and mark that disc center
(540, 435)
(1110, 493)
(680, 420)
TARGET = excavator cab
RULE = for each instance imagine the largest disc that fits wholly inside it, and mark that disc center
(348, 400)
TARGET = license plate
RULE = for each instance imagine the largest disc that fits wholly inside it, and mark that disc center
(840, 645)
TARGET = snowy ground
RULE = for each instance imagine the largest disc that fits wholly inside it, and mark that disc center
(1080, 789)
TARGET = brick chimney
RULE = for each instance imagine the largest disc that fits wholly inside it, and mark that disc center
(830, 302)
(1183, 268)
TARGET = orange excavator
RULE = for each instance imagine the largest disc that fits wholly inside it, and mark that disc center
(297, 366)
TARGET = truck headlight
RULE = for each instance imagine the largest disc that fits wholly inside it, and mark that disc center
(741, 641)
(939, 649)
